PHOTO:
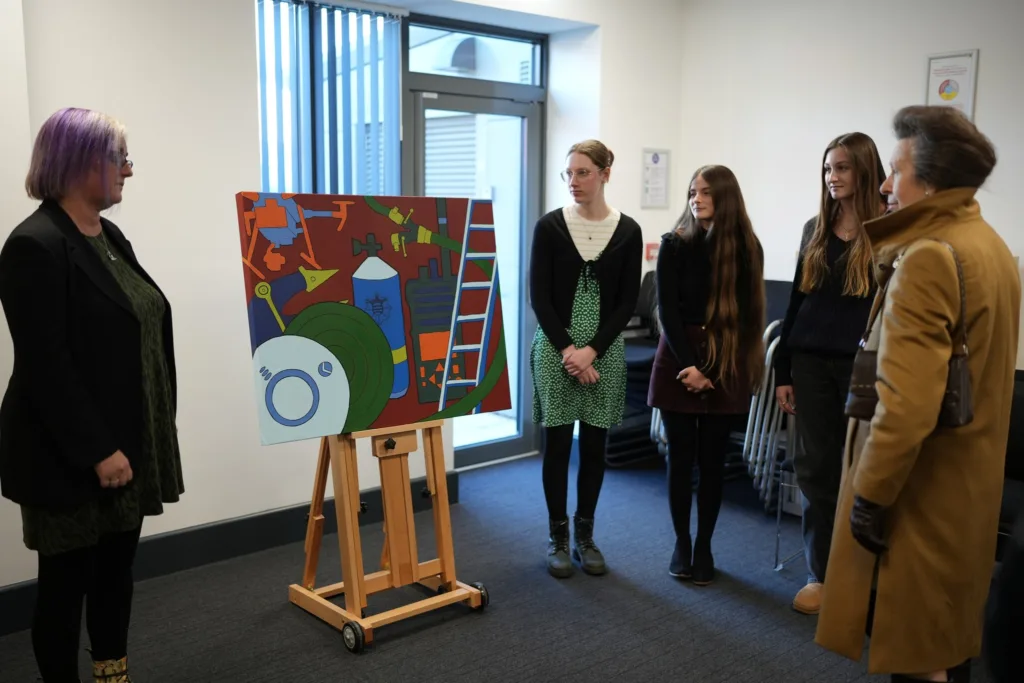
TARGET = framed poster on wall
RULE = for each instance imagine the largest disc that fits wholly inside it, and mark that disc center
(656, 180)
(952, 80)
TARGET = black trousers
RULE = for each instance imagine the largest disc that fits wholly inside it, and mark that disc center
(101, 576)
(820, 385)
(703, 439)
(590, 477)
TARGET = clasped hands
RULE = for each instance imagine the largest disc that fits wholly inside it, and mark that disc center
(694, 380)
(114, 471)
(580, 364)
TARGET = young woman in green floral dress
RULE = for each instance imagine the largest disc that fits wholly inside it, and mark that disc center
(584, 283)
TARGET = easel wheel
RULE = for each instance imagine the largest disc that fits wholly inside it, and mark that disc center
(485, 598)
(355, 639)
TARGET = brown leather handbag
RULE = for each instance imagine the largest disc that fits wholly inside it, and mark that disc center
(957, 407)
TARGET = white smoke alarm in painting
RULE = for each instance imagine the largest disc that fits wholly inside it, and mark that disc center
(299, 399)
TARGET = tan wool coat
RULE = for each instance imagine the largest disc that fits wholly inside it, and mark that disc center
(942, 486)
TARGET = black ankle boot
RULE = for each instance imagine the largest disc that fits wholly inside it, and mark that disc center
(584, 550)
(703, 563)
(559, 564)
(681, 565)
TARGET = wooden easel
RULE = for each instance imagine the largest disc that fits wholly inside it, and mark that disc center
(400, 565)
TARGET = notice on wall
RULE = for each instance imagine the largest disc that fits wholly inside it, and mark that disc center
(951, 80)
(655, 179)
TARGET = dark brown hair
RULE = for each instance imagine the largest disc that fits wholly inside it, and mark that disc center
(596, 151)
(868, 202)
(731, 237)
(948, 149)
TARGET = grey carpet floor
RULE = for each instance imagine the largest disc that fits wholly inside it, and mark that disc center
(232, 621)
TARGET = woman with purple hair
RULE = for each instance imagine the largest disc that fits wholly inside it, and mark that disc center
(88, 443)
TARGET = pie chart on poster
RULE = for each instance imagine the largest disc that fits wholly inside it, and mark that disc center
(949, 89)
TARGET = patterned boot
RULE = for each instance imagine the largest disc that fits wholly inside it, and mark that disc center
(111, 671)
(584, 550)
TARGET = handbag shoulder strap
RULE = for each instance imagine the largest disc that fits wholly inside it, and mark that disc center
(959, 332)
(876, 306)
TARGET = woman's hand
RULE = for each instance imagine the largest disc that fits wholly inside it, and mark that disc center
(578, 360)
(786, 398)
(694, 380)
(114, 472)
(589, 376)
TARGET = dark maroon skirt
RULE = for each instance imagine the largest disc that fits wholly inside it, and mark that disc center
(668, 393)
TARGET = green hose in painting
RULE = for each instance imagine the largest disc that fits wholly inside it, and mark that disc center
(435, 238)
(362, 349)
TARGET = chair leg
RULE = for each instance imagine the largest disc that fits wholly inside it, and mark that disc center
(778, 523)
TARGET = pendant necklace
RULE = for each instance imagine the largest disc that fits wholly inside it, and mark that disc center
(110, 254)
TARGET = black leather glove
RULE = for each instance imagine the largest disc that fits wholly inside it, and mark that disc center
(868, 524)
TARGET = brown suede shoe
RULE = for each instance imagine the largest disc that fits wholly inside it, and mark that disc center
(808, 600)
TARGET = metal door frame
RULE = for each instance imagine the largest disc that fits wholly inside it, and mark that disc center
(414, 183)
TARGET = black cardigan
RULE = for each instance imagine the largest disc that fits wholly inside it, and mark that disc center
(76, 394)
(683, 275)
(555, 268)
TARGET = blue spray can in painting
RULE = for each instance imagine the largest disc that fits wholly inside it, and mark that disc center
(376, 288)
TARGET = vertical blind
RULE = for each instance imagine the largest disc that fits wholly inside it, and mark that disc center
(329, 98)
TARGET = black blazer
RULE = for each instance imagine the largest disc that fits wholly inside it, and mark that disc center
(555, 267)
(75, 396)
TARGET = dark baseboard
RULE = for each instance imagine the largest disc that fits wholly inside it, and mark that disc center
(175, 551)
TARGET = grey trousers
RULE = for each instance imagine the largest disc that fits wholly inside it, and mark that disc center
(820, 385)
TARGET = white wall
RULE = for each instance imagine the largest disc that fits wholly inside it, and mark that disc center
(618, 82)
(182, 76)
(767, 94)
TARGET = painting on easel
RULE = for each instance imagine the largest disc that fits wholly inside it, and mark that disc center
(370, 312)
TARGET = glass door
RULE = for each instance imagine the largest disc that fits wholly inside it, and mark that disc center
(485, 148)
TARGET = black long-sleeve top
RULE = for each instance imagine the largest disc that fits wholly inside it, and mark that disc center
(824, 321)
(555, 268)
(683, 276)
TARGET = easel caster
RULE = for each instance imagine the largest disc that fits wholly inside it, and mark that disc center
(485, 598)
(354, 637)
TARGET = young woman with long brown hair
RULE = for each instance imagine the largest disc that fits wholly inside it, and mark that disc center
(828, 310)
(711, 303)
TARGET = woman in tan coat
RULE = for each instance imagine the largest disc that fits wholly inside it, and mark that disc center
(913, 547)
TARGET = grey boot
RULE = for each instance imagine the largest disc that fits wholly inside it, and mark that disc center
(559, 564)
(584, 550)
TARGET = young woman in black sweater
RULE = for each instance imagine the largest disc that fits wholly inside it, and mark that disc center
(711, 303)
(828, 310)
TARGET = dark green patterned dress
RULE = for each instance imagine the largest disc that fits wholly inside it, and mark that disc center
(558, 397)
(51, 531)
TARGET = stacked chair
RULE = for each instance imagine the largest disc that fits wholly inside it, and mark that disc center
(629, 443)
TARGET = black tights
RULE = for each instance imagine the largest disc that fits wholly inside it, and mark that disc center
(102, 575)
(557, 449)
(704, 438)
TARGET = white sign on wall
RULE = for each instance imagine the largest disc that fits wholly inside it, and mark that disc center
(952, 80)
(655, 179)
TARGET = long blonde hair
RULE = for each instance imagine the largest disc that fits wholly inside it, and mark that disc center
(731, 236)
(868, 203)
